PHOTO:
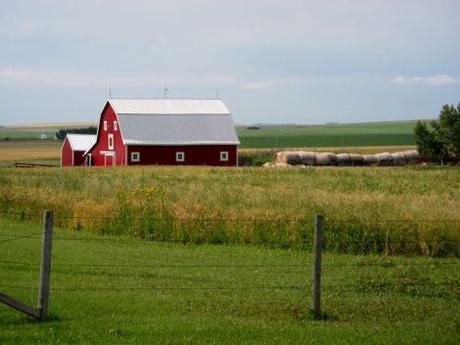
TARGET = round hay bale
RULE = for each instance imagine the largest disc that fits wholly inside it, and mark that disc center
(370, 160)
(411, 156)
(280, 157)
(344, 159)
(325, 159)
(356, 159)
(398, 158)
(385, 159)
(307, 158)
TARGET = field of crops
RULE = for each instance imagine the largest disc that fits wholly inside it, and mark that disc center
(399, 210)
(118, 290)
(339, 135)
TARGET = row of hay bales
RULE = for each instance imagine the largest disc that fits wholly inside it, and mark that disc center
(305, 158)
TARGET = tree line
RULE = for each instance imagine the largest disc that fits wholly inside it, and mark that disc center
(63, 132)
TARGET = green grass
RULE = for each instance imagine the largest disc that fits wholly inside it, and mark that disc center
(337, 135)
(372, 300)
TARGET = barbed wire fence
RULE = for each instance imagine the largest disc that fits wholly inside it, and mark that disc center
(316, 286)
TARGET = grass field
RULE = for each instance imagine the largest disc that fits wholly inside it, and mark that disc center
(338, 135)
(407, 210)
(22, 150)
(117, 290)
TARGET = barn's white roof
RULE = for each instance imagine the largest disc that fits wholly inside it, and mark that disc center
(81, 142)
(175, 122)
(168, 106)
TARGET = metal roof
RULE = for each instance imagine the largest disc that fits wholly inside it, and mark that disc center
(81, 142)
(168, 106)
(175, 122)
(178, 129)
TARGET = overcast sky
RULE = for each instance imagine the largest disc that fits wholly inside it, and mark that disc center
(272, 61)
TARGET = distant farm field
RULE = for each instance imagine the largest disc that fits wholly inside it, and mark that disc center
(398, 210)
(339, 135)
(29, 150)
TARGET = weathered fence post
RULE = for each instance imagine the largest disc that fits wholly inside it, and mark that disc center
(45, 265)
(316, 272)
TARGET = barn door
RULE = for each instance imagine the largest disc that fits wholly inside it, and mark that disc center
(109, 160)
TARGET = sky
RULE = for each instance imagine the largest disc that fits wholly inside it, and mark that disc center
(290, 61)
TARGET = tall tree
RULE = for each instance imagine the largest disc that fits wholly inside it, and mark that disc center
(441, 142)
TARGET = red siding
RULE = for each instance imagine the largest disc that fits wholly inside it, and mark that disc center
(97, 152)
(78, 158)
(66, 154)
(194, 155)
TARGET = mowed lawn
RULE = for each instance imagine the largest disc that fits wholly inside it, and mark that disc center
(117, 290)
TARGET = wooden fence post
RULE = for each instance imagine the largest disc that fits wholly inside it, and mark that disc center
(316, 272)
(45, 265)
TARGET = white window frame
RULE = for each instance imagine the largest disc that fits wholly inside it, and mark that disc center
(115, 125)
(180, 156)
(110, 142)
(105, 125)
(135, 159)
(224, 156)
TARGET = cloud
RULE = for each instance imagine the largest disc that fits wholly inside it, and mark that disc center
(436, 80)
(257, 85)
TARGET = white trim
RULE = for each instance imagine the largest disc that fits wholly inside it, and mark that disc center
(180, 153)
(115, 126)
(224, 156)
(126, 154)
(138, 159)
(114, 159)
(105, 126)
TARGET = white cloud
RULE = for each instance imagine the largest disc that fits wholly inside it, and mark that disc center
(436, 79)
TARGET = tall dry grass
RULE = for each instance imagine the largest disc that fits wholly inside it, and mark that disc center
(396, 210)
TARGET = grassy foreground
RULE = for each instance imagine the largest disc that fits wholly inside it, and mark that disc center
(117, 290)
(397, 210)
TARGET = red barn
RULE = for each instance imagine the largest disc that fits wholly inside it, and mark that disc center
(74, 147)
(165, 131)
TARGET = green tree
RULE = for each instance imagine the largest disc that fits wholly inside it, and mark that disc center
(441, 142)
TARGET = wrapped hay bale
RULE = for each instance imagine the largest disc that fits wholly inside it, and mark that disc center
(289, 157)
(385, 159)
(325, 158)
(370, 160)
(344, 159)
(398, 158)
(280, 157)
(307, 158)
(356, 159)
(411, 156)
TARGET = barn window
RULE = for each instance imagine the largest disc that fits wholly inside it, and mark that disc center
(180, 157)
(224, 156)
(115, 125)
(135, 157)
(110, 141)
(105, 125)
